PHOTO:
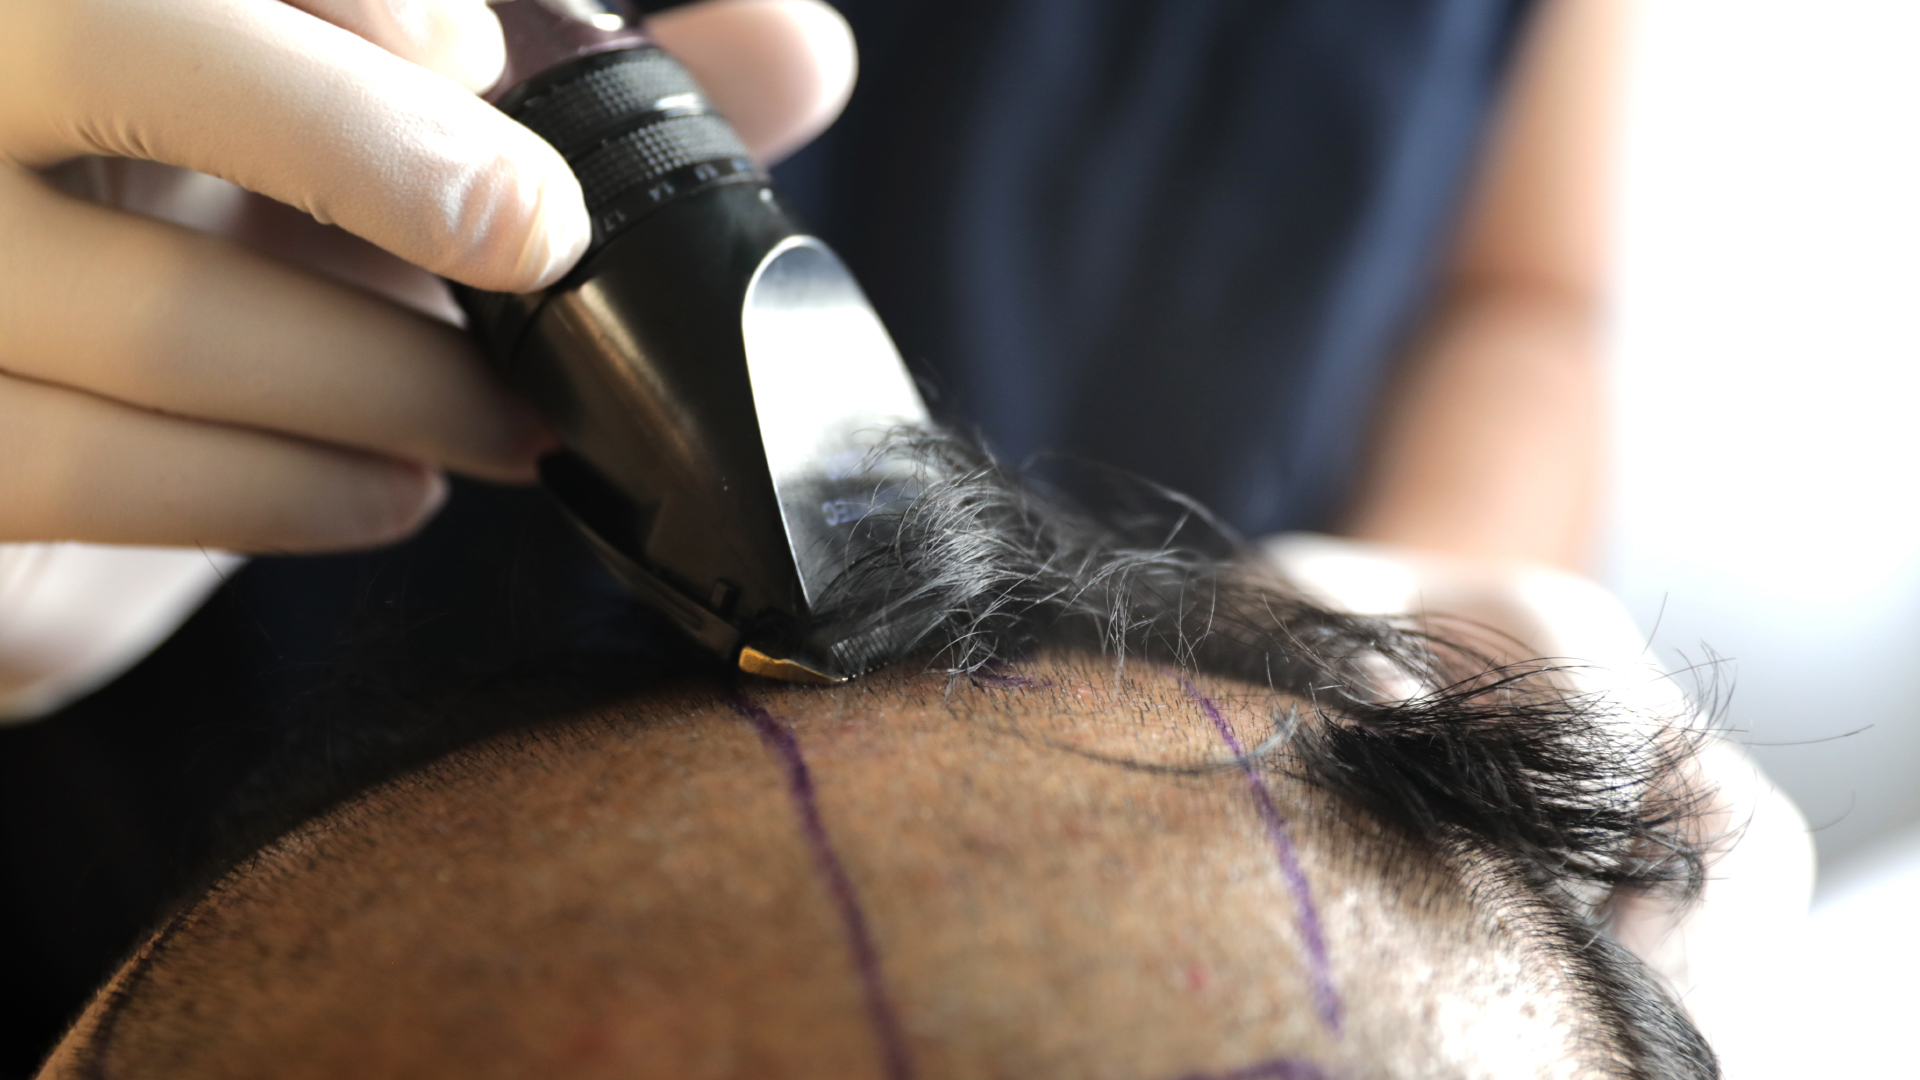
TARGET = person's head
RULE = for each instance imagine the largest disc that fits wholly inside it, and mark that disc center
(1144, 813)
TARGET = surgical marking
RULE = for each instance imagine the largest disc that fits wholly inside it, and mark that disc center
(1320, 969)
(895, 1062)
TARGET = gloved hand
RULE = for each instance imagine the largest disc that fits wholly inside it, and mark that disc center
(284, 384)
(1719, 955)
(166, 387)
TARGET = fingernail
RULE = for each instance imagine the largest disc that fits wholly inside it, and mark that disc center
(476, 53)
(541, 441)
(532, 440)
(413, 495)
(435, 494)
(562, 231)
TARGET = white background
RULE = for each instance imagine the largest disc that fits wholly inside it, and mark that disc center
(1766, 503)
(1768, 371)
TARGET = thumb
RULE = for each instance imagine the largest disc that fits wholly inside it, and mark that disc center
(779, 70)
(460, 39)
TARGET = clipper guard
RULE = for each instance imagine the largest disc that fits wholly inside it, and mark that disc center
(718, 379)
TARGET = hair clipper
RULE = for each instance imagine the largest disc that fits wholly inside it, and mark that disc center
(718, 379)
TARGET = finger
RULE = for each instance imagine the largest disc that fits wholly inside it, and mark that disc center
(457, 38)
(305, 112)
(273, 229)
(779, 70)
(156, 316)
(75, 467)
(281, 233)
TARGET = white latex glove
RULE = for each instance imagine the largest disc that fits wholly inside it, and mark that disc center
(73, 616)
(1720, 955)
(185, 361)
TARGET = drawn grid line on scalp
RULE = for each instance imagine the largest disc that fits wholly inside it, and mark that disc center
(895, 1062)
(1276, 1069)
(1325, 998)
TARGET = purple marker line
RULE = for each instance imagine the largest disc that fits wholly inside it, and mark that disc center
(1325, 997)
(866, 958)
(1277, 1069)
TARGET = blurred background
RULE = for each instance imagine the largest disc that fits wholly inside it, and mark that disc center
(1768, 360)
(1765, 503)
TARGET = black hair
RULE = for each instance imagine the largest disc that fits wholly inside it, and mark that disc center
(1420, 729)
(1424, 730)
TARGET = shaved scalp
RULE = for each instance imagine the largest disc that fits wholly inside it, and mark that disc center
(1136, 810)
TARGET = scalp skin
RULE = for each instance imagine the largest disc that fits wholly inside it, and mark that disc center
(637, 893)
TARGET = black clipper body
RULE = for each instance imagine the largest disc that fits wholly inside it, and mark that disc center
(716, 375)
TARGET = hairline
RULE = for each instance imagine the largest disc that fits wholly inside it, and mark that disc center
(1595, 975)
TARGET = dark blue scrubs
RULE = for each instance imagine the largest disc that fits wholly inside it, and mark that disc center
(1185, 237)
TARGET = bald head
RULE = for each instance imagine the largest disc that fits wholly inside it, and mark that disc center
(1059, 869)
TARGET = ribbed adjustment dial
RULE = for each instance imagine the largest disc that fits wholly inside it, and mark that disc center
(637, 130)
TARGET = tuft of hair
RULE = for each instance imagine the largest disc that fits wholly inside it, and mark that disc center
(986, 565)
